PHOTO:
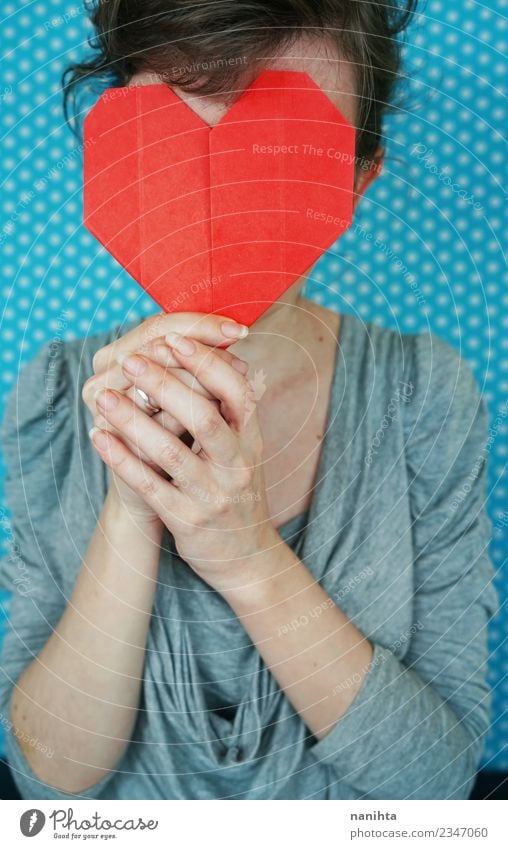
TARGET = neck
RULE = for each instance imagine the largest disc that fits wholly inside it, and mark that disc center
(284, 336)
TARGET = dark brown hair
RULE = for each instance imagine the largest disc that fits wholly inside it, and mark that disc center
(206, 44)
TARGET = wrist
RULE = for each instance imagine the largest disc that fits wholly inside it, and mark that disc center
(133, 514)
(261, 581)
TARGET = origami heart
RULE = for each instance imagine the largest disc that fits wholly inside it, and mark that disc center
(218, 219)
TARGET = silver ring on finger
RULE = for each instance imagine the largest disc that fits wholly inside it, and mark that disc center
(150, 407)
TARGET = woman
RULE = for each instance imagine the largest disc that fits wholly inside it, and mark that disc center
(266, 574)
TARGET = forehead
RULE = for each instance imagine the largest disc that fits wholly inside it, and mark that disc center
(317, 57)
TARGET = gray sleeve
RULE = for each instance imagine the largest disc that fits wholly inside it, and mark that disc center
(38, 440)
(415, 729)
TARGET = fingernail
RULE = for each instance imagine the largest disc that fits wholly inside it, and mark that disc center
(99, 438)
(181, 344)
(233, 330)
(106, 399)
(240, 365)
(134, 365)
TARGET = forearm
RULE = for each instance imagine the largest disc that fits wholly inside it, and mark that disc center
(306, 641)
(81, 693)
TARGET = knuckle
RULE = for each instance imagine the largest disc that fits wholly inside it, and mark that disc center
(216, 321)
(97, 360)
(117, 460)
(150, 330)
(205, 366)
(157, 380)
(108, 355)
(100, 421)
(147, 487)
(209, 423)
(125, 415)
(196, 387)
(194, 518)
(201, 323)
(158, 352)
(89, 389)
(244, 477)
(222, 506)
(170, 453)
(161, 380)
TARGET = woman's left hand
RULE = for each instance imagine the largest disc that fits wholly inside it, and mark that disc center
(215, 505)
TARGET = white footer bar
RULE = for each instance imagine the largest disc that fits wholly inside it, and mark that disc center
(254, 825)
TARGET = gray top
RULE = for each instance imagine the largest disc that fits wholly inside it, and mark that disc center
(396, 533)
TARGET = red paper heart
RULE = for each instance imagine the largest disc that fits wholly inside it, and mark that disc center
(218, 219)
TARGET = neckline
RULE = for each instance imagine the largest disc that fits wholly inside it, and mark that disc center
(337, 374)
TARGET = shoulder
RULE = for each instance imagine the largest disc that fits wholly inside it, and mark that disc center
(432, 374)
(447, 409)
(444, 430)
(428, 391)
(440, 374)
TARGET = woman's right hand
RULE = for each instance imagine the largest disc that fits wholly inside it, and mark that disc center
(148, 338)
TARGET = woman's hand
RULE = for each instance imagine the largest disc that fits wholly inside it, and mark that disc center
(215, 503)
(148, 338)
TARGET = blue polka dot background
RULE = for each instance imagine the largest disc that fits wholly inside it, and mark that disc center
(425, 251)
